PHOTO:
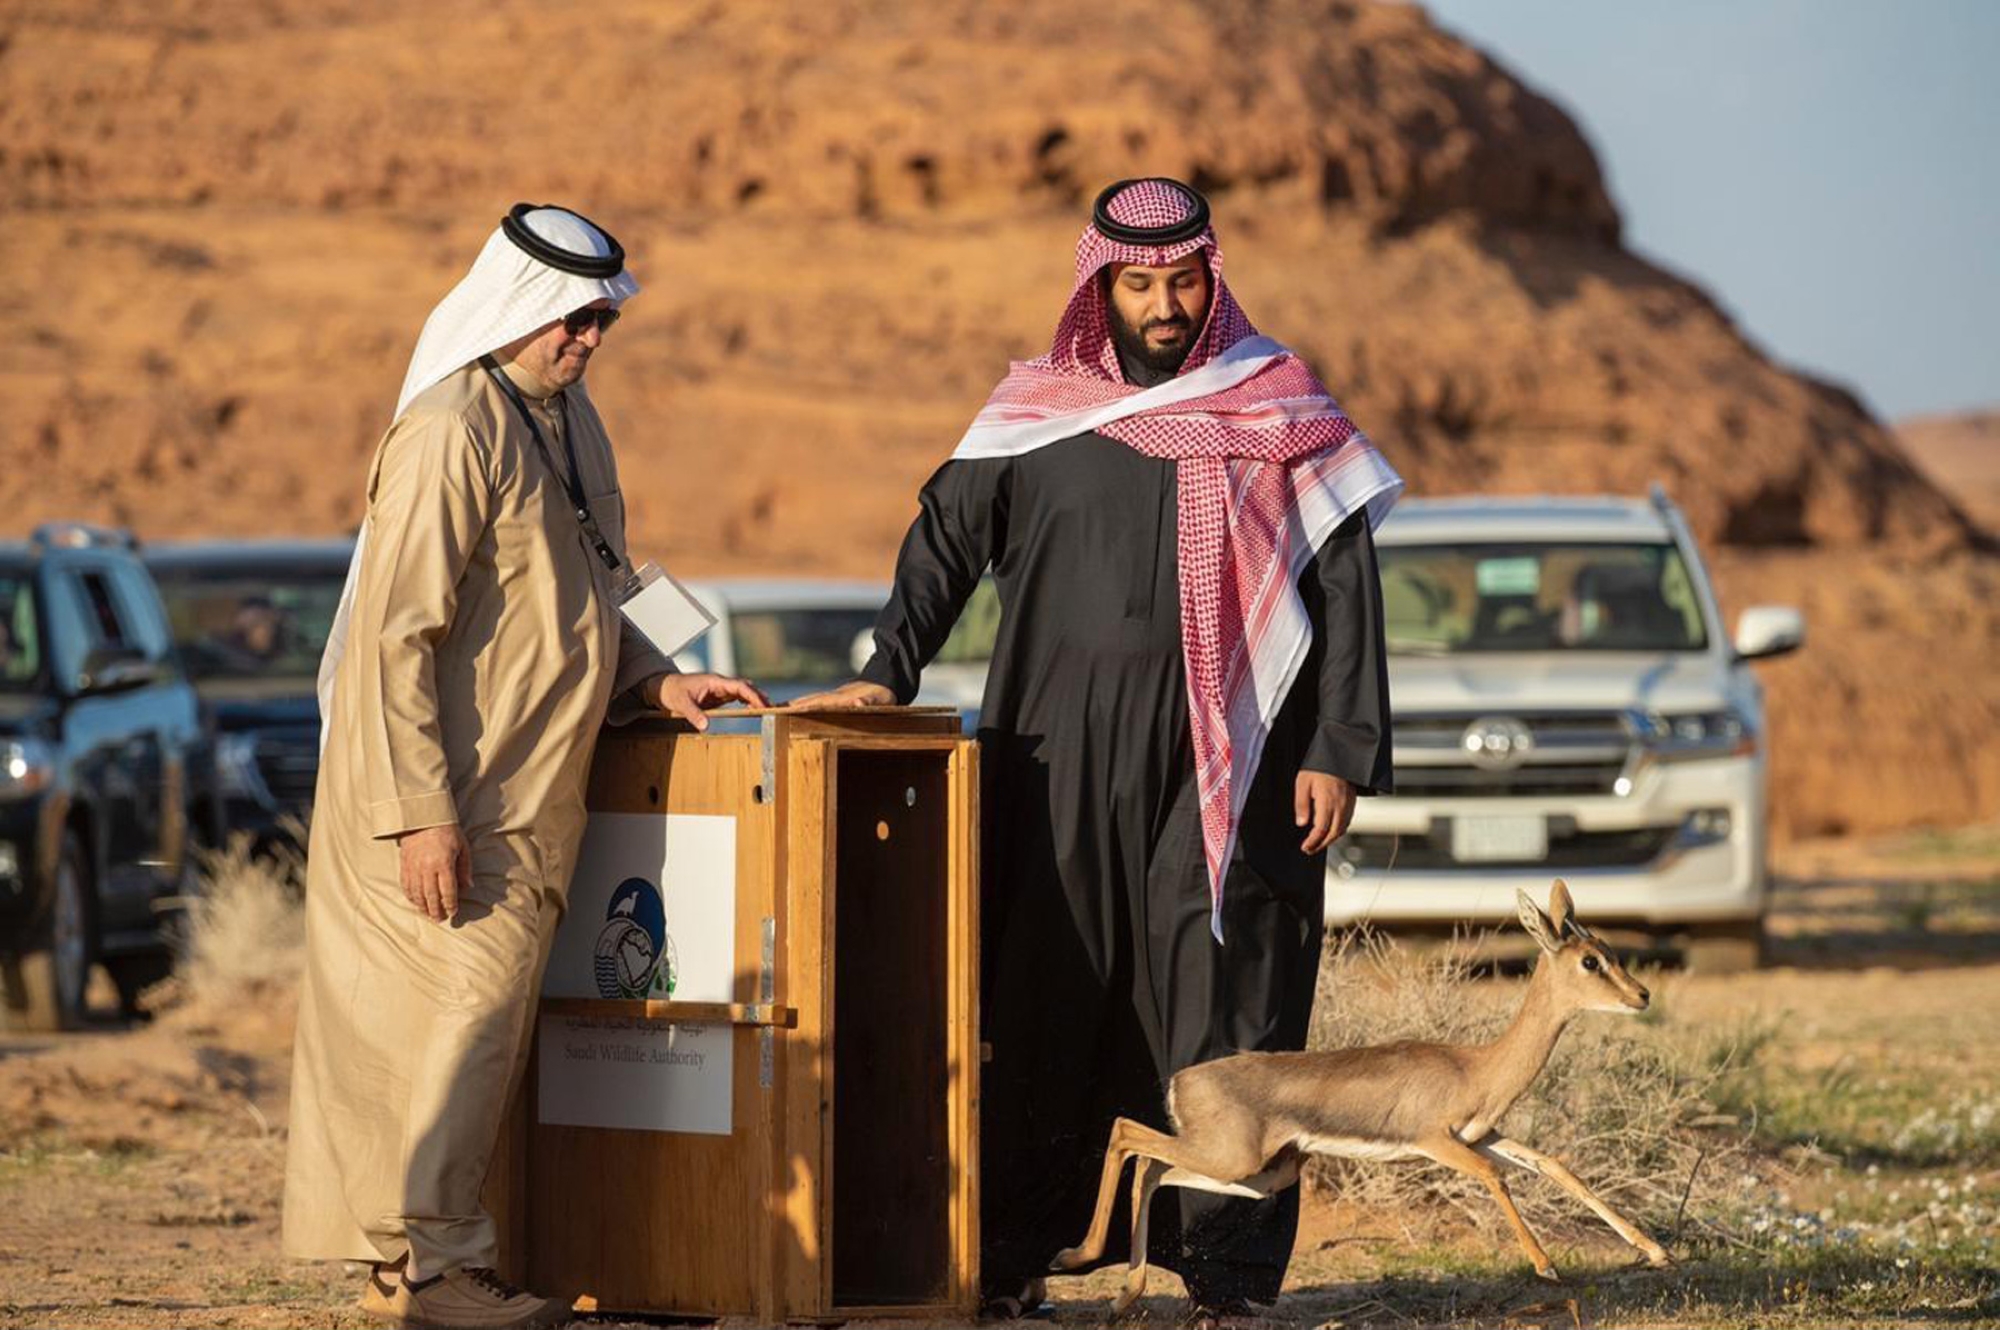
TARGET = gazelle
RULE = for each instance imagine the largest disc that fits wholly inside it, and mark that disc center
(1245, 1124)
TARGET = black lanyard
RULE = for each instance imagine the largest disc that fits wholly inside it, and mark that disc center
(573, 482)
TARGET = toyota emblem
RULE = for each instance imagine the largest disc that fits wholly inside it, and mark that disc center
(1497, 742)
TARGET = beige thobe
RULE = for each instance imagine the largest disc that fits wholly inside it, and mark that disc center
(484, 649)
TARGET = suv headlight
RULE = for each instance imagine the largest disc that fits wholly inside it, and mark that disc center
(1699, 734)
(27, 766)
(236, 767)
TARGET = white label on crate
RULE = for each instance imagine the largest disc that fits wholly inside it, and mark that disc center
(616, 1072)
(652, 914)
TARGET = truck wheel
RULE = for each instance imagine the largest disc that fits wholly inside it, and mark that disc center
(44, 987)
(1730, 948)
(133, 975)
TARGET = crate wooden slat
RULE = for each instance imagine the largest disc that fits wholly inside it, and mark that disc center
(848, 1186)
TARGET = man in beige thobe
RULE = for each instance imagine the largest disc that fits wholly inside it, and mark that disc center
(479, 649)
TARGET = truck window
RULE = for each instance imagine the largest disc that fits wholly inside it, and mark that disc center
(100, 612)
(20, 634)
(797, 645)
(139, 610)
(972, 638)
(268, 624)
(1440, 599)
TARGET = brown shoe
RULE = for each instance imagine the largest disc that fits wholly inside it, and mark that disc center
(383, 1296)
(477, 1299)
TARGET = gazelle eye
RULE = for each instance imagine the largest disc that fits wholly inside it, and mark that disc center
(1590, 964)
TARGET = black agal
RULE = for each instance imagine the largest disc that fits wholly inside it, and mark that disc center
(515, 225)
(1191, 225)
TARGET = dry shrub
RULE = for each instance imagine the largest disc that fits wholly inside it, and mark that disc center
(245, 930)
(1627, 1104)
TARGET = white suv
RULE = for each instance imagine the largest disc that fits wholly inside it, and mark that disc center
(1566, 704)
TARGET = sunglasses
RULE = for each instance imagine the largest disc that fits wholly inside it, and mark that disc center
(577, 320)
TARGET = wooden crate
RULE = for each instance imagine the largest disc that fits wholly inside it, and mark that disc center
(847, 1186)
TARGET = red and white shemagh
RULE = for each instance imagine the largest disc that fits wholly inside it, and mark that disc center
(1269, 467)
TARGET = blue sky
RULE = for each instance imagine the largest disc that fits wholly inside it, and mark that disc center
(1828, 169)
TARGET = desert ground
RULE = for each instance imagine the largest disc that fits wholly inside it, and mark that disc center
(1817, 1143)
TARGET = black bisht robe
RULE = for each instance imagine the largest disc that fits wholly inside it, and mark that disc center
(1100, 976)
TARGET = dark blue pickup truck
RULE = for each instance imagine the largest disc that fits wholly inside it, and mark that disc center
(106, 774)
(251, 618)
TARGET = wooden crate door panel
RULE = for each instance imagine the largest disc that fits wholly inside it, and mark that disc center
(656, 1221)
(963, 1035)
(799, 1152)
(892, 1188)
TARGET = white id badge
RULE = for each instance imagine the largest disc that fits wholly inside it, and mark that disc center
(661, 609)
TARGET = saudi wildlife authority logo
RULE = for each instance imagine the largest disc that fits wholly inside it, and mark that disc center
(635, 957)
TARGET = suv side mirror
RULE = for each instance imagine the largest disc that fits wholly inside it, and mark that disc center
(1764, 631)
(113, 669)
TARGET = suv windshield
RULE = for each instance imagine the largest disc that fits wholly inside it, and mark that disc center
(798, 645)
(1539, 596)
(20, 635)
(270, 625)
(971, 641)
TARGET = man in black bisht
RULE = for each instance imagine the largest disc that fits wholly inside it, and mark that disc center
(1178, 519)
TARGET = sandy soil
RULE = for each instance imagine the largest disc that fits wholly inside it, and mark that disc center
(140, 1168)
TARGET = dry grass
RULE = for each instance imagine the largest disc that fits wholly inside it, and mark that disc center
(245, 929)
(1628, 1104)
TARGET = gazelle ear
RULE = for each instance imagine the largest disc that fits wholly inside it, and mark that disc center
(1562, 914)
(1537, 923)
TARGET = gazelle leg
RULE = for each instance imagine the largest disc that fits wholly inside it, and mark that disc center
(1454, 1153)
(1218, 1157)
(1145, 1182)
(1143, 1141)
(1127, 1139)
(1524, 1156)
(1092, 1246)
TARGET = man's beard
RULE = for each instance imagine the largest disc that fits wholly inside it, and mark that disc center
(1133, 346)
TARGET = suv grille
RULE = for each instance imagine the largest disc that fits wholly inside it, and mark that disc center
(1569, 753)
(1577, 849)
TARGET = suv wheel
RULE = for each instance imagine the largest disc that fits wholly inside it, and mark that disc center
(1726, 948)
(133, 974)
(44, 988)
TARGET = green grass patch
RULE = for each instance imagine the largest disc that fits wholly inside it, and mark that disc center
(266, 1288)
(1722, 1285)
(38, 1159)
(1955, 842)
(1902, 1115)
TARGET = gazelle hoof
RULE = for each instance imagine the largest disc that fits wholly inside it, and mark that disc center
(1127, 1296)
(1548, 1272)
(1658, 1258)
(1069, 1258)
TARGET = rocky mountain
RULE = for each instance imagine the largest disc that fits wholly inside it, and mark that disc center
(227, 224)
(1961, 452)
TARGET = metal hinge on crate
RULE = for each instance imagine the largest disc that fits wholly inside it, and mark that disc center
(767, 992)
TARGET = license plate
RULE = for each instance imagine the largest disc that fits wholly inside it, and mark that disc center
(1476, 840)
